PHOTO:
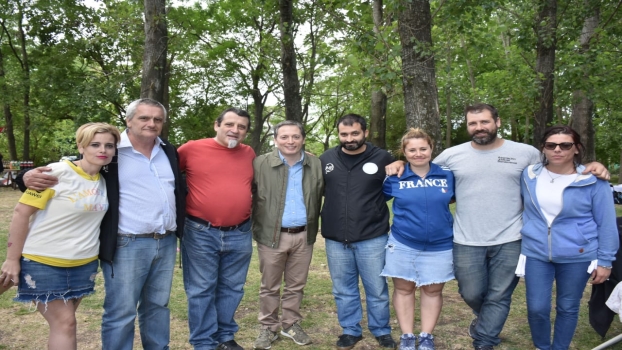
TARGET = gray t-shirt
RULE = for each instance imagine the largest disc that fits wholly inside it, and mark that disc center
(488, 202)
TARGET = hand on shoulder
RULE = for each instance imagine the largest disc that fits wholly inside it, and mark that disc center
(38, 179)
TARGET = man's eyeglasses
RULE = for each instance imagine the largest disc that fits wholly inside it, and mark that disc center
(564, 145)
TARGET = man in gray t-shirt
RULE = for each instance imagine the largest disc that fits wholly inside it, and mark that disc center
(488, 201)
(488, 220)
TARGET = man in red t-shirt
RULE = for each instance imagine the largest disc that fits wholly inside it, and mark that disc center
(217, 242)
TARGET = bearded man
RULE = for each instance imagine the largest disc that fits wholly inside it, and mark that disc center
(487, 246)
(217, 244)
(355, 224)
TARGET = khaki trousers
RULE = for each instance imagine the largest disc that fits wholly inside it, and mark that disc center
(289, 262)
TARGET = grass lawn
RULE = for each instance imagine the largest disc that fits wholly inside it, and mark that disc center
(23, 328)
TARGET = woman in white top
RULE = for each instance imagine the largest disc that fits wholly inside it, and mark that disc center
(569, 235)
(53, 239)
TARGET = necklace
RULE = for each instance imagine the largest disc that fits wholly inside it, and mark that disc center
(420, 171)
(558, 176)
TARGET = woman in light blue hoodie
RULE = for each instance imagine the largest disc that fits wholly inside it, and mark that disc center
(569, 235)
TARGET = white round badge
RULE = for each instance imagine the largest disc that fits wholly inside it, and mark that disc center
(370, 168)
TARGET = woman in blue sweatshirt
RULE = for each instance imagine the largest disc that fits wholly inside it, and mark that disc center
(419, 250)
(569, 234)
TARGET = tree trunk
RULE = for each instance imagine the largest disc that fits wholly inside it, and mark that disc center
(583, 107)
(581, 122)
(154, 57)
(309, 73)
(377, 118)
(257, 130)
(527, 126)
(448, 127)
(166, 100)
(469, 69)
(291, 83)
(514, 129)
(546, 27)
(26, 86)
(505, 40)
(259, 101)
(8, 116)
(419, 78)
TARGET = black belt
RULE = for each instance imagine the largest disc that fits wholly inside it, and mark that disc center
(293, 229)
(154, 235)
(209, 224)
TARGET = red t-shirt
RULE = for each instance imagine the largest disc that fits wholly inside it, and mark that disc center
(219, 181)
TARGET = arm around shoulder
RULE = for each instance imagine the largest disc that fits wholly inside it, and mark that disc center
(37, 179)
(598, 170)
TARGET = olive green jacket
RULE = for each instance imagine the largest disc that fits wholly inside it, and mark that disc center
(270, 186)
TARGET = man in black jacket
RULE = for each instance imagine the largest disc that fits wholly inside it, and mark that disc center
(138, 246)
(355, 223)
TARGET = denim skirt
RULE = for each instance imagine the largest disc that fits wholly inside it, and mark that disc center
(418, 266)
(42, 283)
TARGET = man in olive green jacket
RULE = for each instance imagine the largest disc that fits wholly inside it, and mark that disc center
(286, 207)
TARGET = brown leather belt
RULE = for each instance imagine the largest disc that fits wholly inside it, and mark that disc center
(154, 235)
(209, 224)
(294, 229)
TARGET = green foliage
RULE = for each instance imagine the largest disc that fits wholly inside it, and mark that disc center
(85, 64)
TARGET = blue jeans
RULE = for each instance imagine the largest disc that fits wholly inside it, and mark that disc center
(570, 280)
(346, 263)
(215, 264)
(143, 275)
(486, 280)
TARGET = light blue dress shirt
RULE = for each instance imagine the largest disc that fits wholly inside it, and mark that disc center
(295, 212)
(146, 190)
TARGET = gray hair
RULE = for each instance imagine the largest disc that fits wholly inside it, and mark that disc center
(292, 123)
(131, 108)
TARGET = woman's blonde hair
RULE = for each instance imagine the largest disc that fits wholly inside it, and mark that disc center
(86, 133)
(415, 133)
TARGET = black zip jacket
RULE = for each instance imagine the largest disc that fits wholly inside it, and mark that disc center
(109, 227)
(354, 208)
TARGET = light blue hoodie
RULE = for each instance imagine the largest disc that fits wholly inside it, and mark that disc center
(584, 230)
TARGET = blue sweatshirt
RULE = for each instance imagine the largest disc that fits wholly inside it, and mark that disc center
(584, 230)
(421, 216)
